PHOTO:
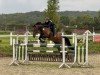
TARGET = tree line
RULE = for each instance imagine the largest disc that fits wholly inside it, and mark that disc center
(68, 19)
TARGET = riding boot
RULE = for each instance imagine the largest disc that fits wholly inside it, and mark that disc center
(53, 34)
(53, 31)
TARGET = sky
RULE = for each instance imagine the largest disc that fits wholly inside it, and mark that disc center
(21, 6)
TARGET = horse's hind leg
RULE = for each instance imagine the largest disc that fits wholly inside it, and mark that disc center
(69, 54)
(67, 42)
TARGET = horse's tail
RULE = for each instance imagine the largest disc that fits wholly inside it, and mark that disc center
(67, 42)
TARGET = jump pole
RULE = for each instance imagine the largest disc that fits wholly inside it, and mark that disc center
(63, 54)
(86, 56)
(75, 56)
(26, 48)
(11, 38)
(73, 38)
(14, 62)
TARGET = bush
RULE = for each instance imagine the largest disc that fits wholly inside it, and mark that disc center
(6, 50)
(4, 32)
(94, 47)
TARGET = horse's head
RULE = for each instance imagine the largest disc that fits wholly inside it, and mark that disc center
(36, 28)
(39, 28)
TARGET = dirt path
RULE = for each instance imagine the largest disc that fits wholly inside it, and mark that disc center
(47, 68)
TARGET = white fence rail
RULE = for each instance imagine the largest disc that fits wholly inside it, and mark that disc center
(11, 36)
(26, 36)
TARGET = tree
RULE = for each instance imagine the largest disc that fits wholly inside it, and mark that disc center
(97, 21)
(84, 21)
(52, 12)
(99, 14)
(65, 20)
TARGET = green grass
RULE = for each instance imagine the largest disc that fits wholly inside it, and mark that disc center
(94, 47)
(6, 49)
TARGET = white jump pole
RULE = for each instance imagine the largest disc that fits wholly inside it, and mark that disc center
(75, 63)
(86, 56)
(26, 54)
(17, 47)
(75, 56)
(17, 38)
(93, 36)
(26, 38)
(14, 51)
(73, 38)
(26, 48)
(22, 48)
(63, 53)
(19, 55)
(11, 38)
(14, 62)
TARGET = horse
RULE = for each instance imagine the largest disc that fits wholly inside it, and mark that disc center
(47, 33)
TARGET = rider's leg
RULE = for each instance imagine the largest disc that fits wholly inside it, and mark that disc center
(53, 30)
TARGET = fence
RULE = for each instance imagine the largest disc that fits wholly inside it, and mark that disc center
(63, 47)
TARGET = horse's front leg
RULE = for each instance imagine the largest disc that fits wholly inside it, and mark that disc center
(41, 38)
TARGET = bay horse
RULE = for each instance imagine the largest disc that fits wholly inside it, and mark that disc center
(47, 33)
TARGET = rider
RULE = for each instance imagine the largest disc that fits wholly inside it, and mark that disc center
(49, 24)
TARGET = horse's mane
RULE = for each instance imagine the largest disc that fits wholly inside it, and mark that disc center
(38, 23)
